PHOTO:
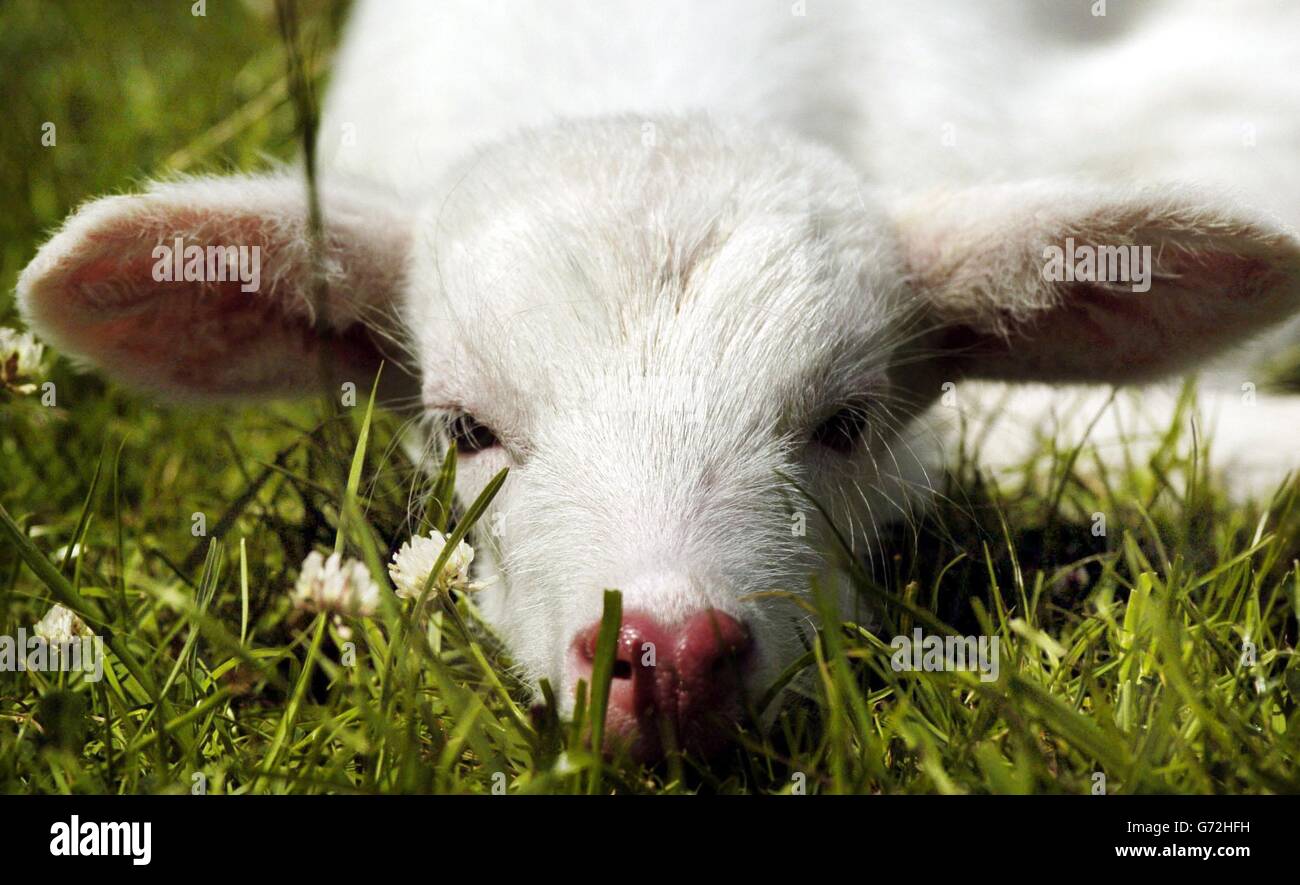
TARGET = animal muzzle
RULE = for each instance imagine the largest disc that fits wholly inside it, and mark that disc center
(672, 686)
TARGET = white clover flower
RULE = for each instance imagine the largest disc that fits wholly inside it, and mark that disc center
(412, 564)
(60, 625)
(20, 359)
(338, 585)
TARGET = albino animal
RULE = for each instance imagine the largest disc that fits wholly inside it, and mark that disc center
(667, 260)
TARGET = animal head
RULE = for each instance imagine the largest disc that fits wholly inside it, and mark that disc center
(675, 346)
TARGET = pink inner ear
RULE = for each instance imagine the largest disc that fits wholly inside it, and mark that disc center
(206, 339)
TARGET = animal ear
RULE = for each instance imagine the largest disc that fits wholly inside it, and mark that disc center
(207, 289)
(1051, 282)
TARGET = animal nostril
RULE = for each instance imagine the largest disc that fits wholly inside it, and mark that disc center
(634, 636)
(712, 645)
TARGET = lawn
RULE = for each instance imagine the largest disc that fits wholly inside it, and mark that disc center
(1154, 656)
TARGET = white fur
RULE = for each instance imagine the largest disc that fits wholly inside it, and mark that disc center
(653, 245)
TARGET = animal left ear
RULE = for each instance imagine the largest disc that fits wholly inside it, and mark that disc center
(208, 289)
(1045, 281)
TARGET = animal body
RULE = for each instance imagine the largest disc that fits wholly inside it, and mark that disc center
(678, 263)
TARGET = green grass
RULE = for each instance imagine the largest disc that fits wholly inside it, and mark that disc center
(1120, 654)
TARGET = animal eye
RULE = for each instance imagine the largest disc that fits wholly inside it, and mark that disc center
(472, 435)
(842, 431)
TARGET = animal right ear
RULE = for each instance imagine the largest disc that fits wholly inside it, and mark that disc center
(991, 267)
(207, 288)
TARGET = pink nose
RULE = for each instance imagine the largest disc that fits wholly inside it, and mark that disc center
(683, 682)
